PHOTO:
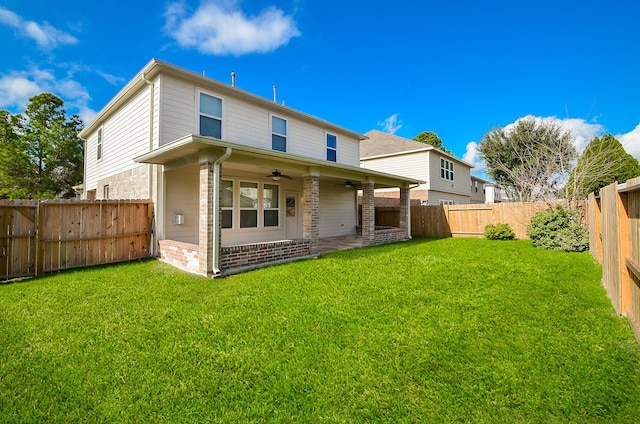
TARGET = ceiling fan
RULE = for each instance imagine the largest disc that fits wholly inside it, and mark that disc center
(349, 184)
(277, 174)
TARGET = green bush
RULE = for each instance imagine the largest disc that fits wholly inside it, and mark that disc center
(558, 229)
(499, 231)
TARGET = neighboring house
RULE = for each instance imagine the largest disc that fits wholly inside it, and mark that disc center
(478, 190)
(446, 178)
(494, 194)
(237, 180)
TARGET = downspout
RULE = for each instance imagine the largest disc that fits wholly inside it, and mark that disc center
(150, 166)
(216, 210)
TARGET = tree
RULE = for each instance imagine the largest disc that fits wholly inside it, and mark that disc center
(429, 137)
(603, 162)
(41, 155)
(530, 161)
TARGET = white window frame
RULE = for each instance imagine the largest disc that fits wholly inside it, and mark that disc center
(229, 208)
(219, 118)
(245, 208)
(99, 144)
(236, 209)
(446, 170)
(447, 202)
(277, 134)
(264, 208)
(333, 149)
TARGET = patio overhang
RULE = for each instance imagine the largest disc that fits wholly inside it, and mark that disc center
(192, 148)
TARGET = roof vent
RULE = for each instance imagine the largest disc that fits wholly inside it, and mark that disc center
(233, 78)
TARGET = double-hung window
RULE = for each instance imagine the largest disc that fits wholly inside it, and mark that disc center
(210, 116)
(332, 147)
(99, 153)
(270, 205)
(226, 204)
(446, 169)
(248, 205)
(278, 134)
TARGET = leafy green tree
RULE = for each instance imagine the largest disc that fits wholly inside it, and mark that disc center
(530, 161)
(429, 137)
(41, 156)
(603, 162)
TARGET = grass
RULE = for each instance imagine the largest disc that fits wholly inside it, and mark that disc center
(447, 330)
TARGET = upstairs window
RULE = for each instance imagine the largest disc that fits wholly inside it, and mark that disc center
(446, 169)
(99, 154)
(210, 116)
(278, 134)
(332, 146)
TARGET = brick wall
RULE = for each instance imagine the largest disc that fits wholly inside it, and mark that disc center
(249, 255)
(179, 254)
(389, 235)
(185, 255)
(131, 184)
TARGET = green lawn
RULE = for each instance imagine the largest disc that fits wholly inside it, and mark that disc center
(465, 330)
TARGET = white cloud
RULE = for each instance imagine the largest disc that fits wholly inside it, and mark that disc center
(222, 28)
(391, 124)
(17, 87)
(45, 35)
(582, 133)
(472, 156)
(631, 141)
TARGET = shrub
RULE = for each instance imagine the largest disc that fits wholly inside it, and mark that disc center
(558, 229)
(499, 231)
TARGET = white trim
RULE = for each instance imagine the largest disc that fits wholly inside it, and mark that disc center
(196, 124)
(327, 148)
(272, 132)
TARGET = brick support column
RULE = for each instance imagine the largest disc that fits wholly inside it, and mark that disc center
(405, 211)
(311, 210)
(368, 215)
(205, 224)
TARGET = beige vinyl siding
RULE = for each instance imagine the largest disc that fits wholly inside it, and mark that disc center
(411, 165)
(245, 123)
(436, 196)
(461, 176)
(337, 210)
(178, 110)
(182, 186)
(125, 136)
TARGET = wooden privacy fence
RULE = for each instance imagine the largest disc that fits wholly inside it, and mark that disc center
(614, 231)
(462, 220)
(37, 237)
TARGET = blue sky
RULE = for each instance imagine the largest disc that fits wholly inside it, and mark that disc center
(458, 68)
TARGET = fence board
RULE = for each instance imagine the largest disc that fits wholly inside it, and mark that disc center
(39, 237)
(17, 238)
(615, 220)
(462, 220)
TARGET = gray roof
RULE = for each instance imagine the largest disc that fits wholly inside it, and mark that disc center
(382, 143)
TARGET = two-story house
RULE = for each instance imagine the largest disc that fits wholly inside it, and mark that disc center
(237, 180)
(446, 179)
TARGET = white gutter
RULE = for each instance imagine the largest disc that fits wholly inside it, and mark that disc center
(216, 209)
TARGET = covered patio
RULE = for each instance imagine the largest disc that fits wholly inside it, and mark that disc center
(228, 207)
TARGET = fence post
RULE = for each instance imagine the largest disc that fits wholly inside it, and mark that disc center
(624, 240)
